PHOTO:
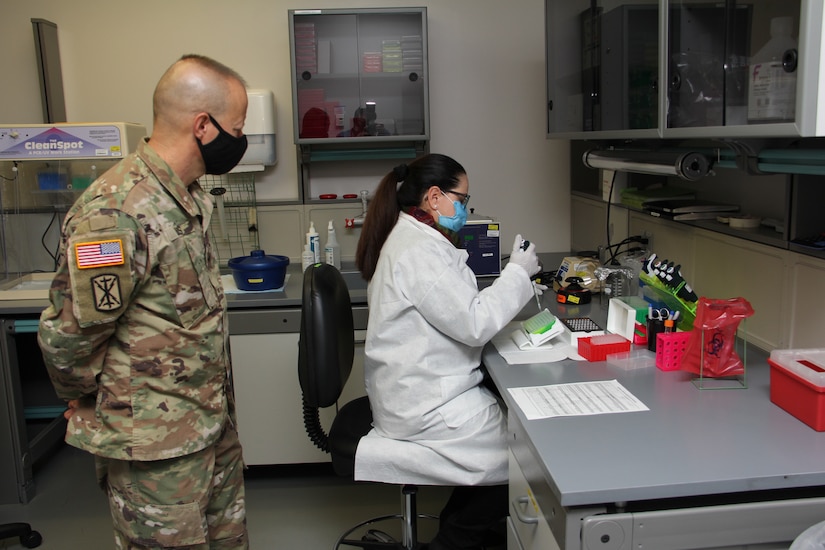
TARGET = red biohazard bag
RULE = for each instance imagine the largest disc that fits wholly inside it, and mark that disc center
(711, 349)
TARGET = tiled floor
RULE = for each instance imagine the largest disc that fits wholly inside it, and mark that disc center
(288, 508)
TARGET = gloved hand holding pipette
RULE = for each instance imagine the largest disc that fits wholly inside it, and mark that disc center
(524, 254)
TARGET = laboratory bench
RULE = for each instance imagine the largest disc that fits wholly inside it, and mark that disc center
(702, 468)
(263, 334)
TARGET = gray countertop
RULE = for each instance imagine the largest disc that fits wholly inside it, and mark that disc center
(290, 296)
(292, 293)
(691, 442)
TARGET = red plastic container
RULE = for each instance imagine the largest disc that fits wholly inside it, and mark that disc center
(640, 334)
(597, 348)
(798, 385)
(670, 346)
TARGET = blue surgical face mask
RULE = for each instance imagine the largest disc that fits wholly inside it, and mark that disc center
(457, 220)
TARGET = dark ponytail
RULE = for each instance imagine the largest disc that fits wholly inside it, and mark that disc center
(390, 199)
(401, 172)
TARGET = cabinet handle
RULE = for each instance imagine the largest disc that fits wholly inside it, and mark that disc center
(360, 342)
(790, 59)
(522, 517)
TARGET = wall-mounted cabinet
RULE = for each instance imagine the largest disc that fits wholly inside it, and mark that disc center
(602, 68)
(684, 69)
(359, 88)
(359, 74)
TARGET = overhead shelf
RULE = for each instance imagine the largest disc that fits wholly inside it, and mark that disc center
(364, 154)
(779, 161)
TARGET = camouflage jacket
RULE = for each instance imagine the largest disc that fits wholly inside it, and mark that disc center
(136, 329)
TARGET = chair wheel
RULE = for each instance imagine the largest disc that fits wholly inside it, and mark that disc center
(32, 540)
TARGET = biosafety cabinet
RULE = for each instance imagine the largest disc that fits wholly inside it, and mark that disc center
(43, 169)
(641, 69)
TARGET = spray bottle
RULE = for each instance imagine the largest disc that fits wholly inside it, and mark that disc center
(314, 242)
(332, 250)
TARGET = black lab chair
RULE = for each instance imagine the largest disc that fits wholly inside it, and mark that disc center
(326, 350)
(28, 538)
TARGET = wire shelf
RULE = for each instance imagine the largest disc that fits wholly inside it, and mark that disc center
(235, 233)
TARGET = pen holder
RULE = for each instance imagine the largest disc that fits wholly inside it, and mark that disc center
(654, 327)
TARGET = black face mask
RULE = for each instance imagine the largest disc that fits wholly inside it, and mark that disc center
(224, 152)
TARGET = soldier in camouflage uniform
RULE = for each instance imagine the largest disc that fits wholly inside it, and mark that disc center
(135, 338)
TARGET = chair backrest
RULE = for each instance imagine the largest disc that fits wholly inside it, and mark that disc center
(327, 340)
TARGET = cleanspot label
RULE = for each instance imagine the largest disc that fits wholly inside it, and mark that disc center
(55, 144)
(60, 142)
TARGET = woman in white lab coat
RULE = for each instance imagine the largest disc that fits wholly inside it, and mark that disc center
(434, 422)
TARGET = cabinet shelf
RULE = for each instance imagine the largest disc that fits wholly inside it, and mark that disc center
(806, 250)
(34, 423)
(762, 235)
(363, 154)
(406, 75)
(40, 413)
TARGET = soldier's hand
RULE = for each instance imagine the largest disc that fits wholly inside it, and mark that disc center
(73, 404)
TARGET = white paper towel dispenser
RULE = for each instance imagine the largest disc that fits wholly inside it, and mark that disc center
(260, 132)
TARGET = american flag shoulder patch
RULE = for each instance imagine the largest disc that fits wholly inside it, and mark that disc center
(99, 253)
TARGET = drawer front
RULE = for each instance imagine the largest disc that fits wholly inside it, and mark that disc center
(280, 320)
(513, 543)
(531, 528)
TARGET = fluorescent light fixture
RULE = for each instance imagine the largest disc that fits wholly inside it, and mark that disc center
(689, 165)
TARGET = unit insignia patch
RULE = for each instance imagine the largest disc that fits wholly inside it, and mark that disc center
(106, 292)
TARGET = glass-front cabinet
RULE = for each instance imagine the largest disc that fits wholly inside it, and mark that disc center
(359, 75)
(684, 68)
(737, 67)
(603, 59)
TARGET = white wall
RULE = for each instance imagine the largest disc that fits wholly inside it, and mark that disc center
(486, 85)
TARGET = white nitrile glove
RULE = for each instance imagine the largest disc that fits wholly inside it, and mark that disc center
(525, 258)
(539, 288)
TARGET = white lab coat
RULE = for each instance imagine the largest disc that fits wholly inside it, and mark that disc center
(432, 421)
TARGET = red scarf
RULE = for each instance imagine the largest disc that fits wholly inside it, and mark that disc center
(427, 219)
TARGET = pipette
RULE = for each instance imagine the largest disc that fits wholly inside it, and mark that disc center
(524, 244)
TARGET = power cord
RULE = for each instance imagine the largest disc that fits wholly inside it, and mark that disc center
(609, 203)
(611, 260)
(13, 178)
(52, 255)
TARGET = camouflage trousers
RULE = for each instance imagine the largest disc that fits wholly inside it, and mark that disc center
(194, 502)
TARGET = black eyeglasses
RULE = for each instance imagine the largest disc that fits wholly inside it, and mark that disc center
(465, 198)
